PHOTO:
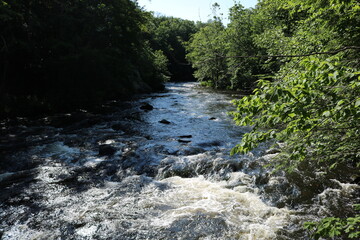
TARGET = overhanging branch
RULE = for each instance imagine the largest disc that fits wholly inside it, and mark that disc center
(291, 56)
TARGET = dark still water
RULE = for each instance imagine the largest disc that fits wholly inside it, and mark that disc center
(132, 172)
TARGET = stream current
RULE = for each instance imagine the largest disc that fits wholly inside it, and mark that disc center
(123, 172)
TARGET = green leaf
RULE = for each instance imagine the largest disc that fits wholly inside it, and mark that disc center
(292, 115)
(326, 114)
(357, 103)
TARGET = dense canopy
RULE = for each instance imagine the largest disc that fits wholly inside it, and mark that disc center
(57, 55)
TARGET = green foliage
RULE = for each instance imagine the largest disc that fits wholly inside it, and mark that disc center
(218, 53)
(311, 105)
(74, 53)
(222, 56)
(333, 227)
(161, 64)
(240, 42)
(206, 50)
(169, 34)
(311, 108)
(313, 101)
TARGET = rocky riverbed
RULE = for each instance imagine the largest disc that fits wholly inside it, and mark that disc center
(156, 167)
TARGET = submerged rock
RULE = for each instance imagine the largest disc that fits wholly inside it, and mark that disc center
(190, 151)
(214, 143)
(117, 127)
(147, 106)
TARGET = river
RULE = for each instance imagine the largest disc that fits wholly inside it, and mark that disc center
(127, 171)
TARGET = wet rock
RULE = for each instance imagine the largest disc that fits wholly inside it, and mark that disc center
(79, 225)
(66, 180)
(212, 118)
(130, 154)
(185, 172)
(135, 116)
(255, 164)
(356, 181)
(185, 136)
(190, 151)
(262, 179)
(147, 107)
(106, 150)
(235, 166)
(183, 141)
(149, 171)
(65, 120)
(214, 143)
(20, 176)
(164, 121)
(148, 137)
(117, 127)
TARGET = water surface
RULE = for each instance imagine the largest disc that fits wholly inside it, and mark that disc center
(121, 172)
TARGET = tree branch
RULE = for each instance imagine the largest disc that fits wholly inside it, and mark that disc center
(291, 56)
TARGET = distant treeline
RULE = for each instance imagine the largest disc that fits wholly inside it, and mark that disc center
(58, 55)
(258, 42)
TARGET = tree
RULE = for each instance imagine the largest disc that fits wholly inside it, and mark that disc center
(57, 55)
(311, 108)
(312, 104)
(206, 50)
(169, 34)
(219, 53)
(240, 42)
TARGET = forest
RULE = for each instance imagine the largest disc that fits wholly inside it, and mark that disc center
(57, 55)
(297, 63)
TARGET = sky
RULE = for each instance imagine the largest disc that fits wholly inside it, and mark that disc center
(196, 10)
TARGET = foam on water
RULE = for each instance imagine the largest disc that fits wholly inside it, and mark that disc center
(22, 231)
(87, 231)
(155, 208)
(242, 211)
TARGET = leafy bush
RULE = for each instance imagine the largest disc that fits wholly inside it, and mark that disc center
(333, 227)
(310, 108)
